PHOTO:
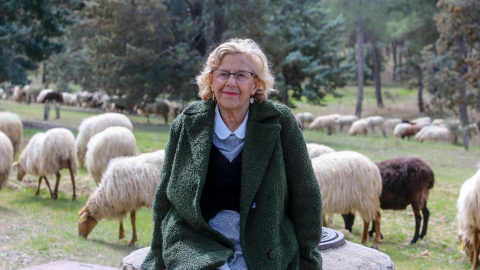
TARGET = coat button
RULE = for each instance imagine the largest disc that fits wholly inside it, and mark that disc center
(272, 254)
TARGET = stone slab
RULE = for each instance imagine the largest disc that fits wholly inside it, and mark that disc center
(346, 257)
(70, 265)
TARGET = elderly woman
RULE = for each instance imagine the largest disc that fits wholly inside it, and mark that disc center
(238, 190)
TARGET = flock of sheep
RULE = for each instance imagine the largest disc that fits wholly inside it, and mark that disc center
(423, 128)
(350, 182)
(161, 108)
(126, 180)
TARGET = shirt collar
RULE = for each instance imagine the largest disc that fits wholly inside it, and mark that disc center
(222, 130)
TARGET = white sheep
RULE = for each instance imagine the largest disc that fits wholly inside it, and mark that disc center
(468, 217)
(69, 99)
(433, 133)
(111, 143)
(315, 150)
(95, 124)
(128, 184)
(305, 117)
(12, 126)
(350, 182)
(346, 120)
(376, 121)
(6, 158)
(46, 154)
(359, 127)
(42, 95)
(324, 121)
(391, 123)
(422, 121)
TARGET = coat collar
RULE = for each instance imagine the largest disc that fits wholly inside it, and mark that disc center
(262, 131)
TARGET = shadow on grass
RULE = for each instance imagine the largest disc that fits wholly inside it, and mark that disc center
(8, 212)
(115, 246)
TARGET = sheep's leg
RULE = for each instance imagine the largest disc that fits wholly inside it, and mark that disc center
(148, 119)
(418, 219)
(372, 230)
(72, 176)
(121, 231)
(365, 231)
(378, 234)
(39, 182)
(48, 185)
(476, 249)
(384, 133)
(426, 216)
(324, 222)
(55, 192)
(134, 235)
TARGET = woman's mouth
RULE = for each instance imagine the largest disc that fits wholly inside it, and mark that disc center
(230, 94)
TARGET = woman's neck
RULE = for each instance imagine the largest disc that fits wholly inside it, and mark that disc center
(233, 119)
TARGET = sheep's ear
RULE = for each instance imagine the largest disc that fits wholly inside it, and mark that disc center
(15, 166)
(83, 214)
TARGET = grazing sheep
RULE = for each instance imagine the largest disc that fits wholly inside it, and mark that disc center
(53, 97)
(349, 183)
(391, 123)
(359, 127)
(299, 123)
(69, 99)
(95, 124)
(397, 131)
(160, 108)
(406, 181)
(21, 94)
(422, 121)
(346, 120)
(376, 121)
(324, 121)
(111, 143)
(46, 154)
(316, 150)
(468, 219)
(12, 126)
(3, 95)
(410, 130)
(305, 117)
(6, 158)
(128, 184)
(433, 133)
(42, 94)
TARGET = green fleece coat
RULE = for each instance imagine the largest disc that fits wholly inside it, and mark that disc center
(280, 203)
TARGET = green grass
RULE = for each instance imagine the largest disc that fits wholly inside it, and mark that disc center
(36, 229)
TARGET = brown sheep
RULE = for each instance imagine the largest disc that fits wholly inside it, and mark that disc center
(409, 131)
(160, 108)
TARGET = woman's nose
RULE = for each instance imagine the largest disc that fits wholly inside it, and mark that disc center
(231, 80)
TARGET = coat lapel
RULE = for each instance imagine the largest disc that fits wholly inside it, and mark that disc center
(261, 137)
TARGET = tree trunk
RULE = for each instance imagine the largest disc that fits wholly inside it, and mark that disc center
(478, 99)
(360, 71)
(218, 25)
(394, 53)
(420, 93)
(44, 76)
(376, 75)
(462, 69)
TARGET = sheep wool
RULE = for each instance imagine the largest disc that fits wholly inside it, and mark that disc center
(359, 127)
(128, 184)
(316, 150)
(323, 121)
(6, 158)
(95, 124)
(111, 143)
(350, 183)
(48, 153)
(12, 126)
(468, 217)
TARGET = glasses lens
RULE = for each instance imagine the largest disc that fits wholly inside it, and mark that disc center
(220, 75)
(242, 76)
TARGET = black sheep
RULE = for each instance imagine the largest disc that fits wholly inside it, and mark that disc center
(53, 96)
(405, 181)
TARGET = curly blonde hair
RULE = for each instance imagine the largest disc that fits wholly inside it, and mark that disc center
(252, 50)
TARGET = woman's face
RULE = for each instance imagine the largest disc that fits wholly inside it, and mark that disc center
(231, 95)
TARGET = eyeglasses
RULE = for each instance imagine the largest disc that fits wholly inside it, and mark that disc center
(222, 76)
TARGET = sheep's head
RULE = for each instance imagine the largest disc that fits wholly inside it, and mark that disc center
(20, 171)
(86, 223)
(466, 245)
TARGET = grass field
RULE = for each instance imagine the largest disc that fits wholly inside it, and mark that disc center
(36, 229)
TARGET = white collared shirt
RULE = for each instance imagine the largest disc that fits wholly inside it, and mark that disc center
(230, 144)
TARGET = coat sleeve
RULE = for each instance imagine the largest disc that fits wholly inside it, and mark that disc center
(161, 204)
(305, 203)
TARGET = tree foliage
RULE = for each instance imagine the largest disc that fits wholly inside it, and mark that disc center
(26, 31)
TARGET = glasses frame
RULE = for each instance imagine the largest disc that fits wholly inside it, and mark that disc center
(230, 73)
